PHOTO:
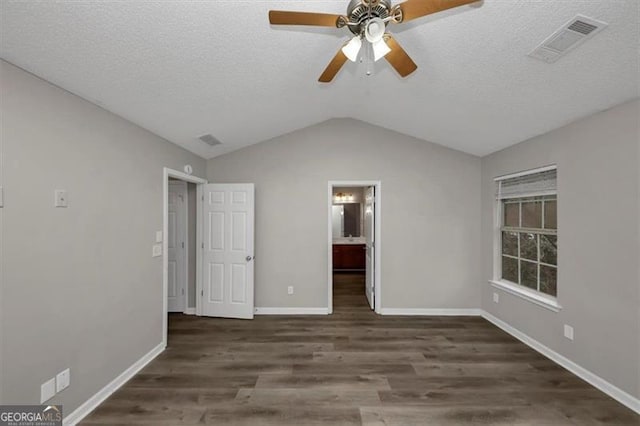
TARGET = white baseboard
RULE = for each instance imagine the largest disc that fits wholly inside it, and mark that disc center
(291, 311)
(432, 312)
(190, 311)
(89, 405)
(596, 381)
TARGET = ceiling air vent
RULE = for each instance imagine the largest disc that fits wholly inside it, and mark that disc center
(210, 140)
(573, 33)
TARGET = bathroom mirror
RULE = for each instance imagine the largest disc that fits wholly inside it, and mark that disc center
(346, 220)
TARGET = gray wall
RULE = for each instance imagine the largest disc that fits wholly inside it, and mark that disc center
(430, 213)
(80, 287)
(598, 235)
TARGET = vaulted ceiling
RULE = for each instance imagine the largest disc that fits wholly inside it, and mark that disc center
(182, 69)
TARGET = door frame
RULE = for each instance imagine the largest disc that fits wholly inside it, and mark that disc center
(166, 174)
(185, 230)
(377, 238)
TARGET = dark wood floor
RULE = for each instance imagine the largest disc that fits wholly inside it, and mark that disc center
(353, 367)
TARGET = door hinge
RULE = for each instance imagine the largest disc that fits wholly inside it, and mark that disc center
(202, 245)
(183, 244)
(203, 198)
(202, 293)
(183, 291)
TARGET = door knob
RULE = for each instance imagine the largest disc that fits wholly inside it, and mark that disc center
(249, 258)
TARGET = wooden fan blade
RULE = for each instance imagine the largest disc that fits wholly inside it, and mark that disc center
(398, 58)
(282, 17)
(334, 66)
(412, 9)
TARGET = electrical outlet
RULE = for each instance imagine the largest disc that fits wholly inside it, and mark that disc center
(47, 390)
(290, 290)
(496, 298)
(568, 332)
(157, 250)
(62, 380)
(61, 198)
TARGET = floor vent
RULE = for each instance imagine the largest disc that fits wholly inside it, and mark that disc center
(568, 37)
(210, 140)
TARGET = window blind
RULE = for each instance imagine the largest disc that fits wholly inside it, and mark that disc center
(528, 185)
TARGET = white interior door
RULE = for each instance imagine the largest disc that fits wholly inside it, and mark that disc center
(176, 243)
(369, 232)
(228, 266)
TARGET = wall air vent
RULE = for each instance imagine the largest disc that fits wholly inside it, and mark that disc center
(210, 140)
(569, 36)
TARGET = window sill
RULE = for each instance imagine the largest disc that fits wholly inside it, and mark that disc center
(529, 295)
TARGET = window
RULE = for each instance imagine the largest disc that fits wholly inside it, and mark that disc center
(527, 235)
(530, 243)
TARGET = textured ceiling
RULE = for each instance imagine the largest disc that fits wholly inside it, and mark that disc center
(186, 68)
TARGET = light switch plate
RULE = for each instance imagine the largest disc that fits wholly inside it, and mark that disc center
(568, 332)
(1, 197)
(496, 297)
(157, 250)
(61, 198)
(290, 290)
(158, 236)
(47, 390)
(62, 380)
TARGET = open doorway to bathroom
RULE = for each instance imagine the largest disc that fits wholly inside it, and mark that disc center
(354, 245)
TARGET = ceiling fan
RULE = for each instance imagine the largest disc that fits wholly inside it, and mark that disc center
(368, 20)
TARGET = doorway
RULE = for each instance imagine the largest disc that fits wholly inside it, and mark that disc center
(223, 247)
(180, 251)
(354, 225)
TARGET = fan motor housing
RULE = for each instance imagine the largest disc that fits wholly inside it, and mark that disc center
(358, 13)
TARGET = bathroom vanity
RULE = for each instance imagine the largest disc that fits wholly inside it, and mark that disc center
(349, 254)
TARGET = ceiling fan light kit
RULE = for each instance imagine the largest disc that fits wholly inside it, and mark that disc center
(374, 30)
(380, 50)
(352, 49)
(368, 20)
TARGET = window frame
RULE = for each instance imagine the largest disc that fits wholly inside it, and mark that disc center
(534, 296)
